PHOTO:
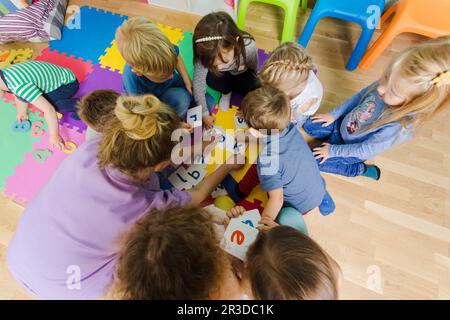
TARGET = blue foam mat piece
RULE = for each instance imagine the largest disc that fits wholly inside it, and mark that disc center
(91, 37)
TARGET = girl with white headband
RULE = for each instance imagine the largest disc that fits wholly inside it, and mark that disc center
(225, 59)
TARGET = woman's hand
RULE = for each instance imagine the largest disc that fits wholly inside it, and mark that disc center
(57, 142)
(326, 118)
(208, 121)
(233, 213)
(322, 152)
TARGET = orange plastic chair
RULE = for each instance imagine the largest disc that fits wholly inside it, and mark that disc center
(430, 18)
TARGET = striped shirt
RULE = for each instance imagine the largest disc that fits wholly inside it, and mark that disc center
(29, 80)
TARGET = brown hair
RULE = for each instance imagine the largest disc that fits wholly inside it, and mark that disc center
(139, 136)
(171, 254)
(97, 107)
(287, 67)
(146, 48)
(266, 108)
(218, 24)
(284, 264)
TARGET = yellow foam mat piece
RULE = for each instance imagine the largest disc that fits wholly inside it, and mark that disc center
(112, 59)
(13, 56)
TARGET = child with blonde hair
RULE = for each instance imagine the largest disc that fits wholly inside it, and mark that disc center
(285, 167)
(290, 69)
(413, 89)
(154, 65)
(109, 182)
(225, 59)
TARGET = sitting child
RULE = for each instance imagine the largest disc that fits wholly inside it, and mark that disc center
(151, 63)
(225, 59)
(290, 69)
(174, 254)
(285, 264)
(286, 167)
(412, 90)
(96, 108)
(45, 85)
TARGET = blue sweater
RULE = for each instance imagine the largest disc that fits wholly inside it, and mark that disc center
(358, 113)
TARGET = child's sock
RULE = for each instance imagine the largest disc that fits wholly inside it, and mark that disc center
(232, 188)
(372, 172)
(327, 206)
(224, 102)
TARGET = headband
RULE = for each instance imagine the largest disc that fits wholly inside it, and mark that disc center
(206, 39)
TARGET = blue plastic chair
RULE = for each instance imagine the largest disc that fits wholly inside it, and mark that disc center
(366, 13)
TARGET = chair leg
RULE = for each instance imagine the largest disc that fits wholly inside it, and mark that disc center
(242, 13)
(304, 5)
(379, 46)
(290, 20)
(361, 46)
(308, 30)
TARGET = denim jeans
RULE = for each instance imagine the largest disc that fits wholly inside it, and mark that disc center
(62, 98)
(344, 166)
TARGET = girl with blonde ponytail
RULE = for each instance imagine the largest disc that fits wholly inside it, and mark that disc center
(68, 236)
(290, 70)
(412, 90)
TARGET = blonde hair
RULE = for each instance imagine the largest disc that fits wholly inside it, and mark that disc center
(266, 108)
(287, 67)
(420, 67)
(146, 48)
(139, 136)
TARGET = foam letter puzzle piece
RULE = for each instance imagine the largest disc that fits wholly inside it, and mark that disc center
(14, 56)
(23, 126)
(194, 116)
(238, 237)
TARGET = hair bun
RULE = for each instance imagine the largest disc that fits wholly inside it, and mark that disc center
(138, 116)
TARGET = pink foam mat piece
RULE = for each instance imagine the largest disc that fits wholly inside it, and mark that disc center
(32, 175)
(80, 68)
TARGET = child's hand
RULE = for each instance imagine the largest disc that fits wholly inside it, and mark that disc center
(22, 116)
(322, 152)
(233, 213)
(57, 142)
(189, 86)
(266, 223)
(208, 121)
(326, 118)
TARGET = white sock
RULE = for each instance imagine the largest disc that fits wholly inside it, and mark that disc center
(224, 102)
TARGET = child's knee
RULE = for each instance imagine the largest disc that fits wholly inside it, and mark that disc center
(290, 217)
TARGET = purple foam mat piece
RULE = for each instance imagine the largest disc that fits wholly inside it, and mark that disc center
(72, 123)
(101, 79)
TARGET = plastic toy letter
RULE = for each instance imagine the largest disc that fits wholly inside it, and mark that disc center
(194, 116)
(238, 237)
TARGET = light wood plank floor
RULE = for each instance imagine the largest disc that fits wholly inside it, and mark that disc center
(396, 230)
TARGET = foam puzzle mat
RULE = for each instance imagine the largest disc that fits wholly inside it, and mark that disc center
(27, 162)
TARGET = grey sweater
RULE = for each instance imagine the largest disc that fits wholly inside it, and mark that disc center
(200, 73)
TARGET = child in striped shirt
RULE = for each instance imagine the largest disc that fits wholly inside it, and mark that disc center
(45, 85)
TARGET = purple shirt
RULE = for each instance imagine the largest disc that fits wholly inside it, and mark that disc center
(72, 227)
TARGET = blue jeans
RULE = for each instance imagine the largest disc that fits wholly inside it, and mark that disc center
(290, 217)
(344, 166)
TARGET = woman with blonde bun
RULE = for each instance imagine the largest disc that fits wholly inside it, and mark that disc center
(66, 243)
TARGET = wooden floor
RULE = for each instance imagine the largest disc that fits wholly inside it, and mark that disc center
(390, 237)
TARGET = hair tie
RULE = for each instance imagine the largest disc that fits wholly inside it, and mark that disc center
(443, 78)
(206, 39)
